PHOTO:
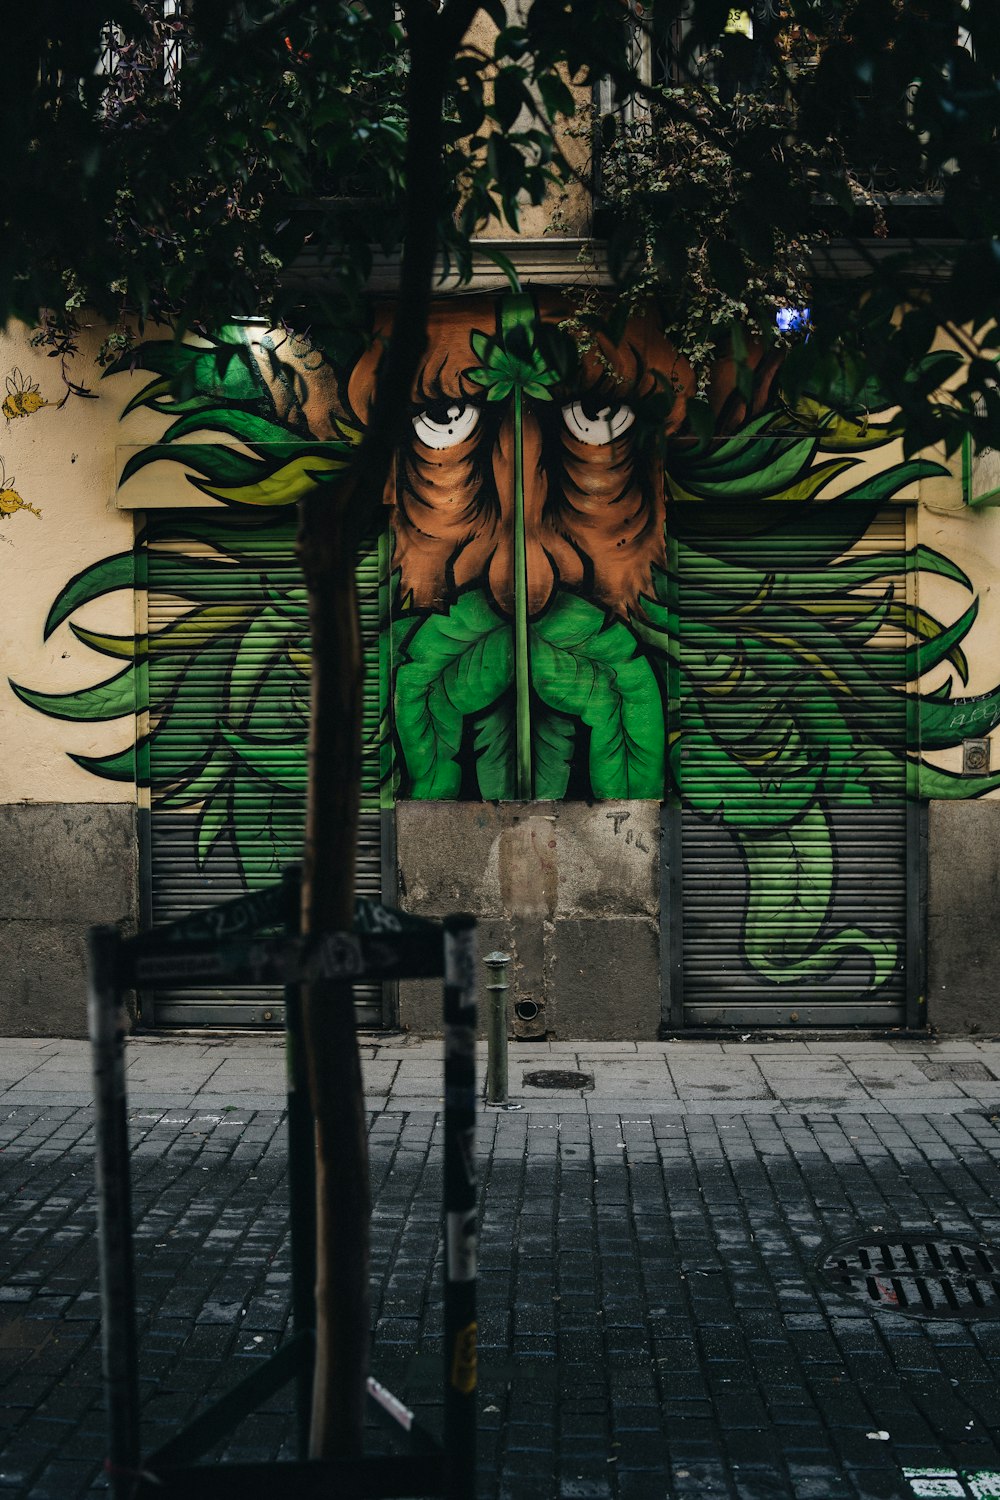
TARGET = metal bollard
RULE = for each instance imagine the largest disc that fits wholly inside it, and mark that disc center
(496, 1028)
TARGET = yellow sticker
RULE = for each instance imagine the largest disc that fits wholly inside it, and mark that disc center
(463, 1365)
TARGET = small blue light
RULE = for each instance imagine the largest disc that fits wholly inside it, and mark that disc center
(792, 319)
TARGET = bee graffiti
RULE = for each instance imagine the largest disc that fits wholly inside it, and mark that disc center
(23, 396)
(10, 500)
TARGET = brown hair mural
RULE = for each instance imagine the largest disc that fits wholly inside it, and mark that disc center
(492, 423)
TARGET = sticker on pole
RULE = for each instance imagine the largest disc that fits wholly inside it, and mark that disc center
(336, 956)
(460, 963)
(461, 1245)
(466, 1141)
(463, 1362)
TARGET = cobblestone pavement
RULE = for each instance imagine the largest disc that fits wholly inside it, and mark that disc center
(652, 1319)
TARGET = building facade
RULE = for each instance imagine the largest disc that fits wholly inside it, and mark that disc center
(701, 733)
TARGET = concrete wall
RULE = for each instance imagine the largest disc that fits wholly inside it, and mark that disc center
(570, 890)
(67, 867)
(963, 917)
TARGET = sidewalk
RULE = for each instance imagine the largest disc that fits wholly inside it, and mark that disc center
(653, 1320)
(402, 1073)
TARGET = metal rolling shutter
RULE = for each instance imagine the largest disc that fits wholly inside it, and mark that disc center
(178, 881)
(726, 918)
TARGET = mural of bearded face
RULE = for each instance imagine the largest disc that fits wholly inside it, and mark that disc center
(576, 460)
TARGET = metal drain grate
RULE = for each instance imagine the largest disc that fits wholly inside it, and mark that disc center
(925, 1278)
(558, 1078)
(970, 1072)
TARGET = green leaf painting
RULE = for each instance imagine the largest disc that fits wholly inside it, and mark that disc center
(456, 665)
(790, 872)
(588, 667)
(222, 683)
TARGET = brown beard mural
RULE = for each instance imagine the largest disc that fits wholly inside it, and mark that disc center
(593, 503)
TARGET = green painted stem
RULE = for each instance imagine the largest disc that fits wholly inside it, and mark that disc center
(522, 680)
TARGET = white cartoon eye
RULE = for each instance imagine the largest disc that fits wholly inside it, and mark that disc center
(445, 423)
(597, 425)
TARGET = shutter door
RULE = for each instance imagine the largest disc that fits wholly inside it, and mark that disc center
(793, 829)
(229, 690)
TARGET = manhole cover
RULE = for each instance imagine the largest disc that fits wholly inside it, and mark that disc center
(970, 1071)
(926, 1278)
(558, 1078)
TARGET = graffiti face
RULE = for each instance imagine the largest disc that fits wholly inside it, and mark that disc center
(506, 462)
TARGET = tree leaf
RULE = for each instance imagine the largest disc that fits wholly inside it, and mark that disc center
(214, 820)
(279, 764)
(107, 700)
(119, 766)
(285, 486)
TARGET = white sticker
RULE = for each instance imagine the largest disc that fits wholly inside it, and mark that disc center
(461, 1245)
(467, 1149)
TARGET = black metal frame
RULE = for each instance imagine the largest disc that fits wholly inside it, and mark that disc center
(385, 943)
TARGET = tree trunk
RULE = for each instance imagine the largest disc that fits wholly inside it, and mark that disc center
(335, 1085)
(333, 527)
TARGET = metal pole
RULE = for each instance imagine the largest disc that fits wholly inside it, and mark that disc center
(496, 1028)
(301, 1170)
(460, 1371)
(119, 1354)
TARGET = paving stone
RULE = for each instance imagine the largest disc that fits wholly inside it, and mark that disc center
(656, 1306)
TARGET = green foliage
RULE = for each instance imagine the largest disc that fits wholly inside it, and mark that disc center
(586, 673)
(708, 216)
(790, 877)
(148, 192)
(790, 651)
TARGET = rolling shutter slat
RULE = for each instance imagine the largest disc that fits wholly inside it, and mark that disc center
(721, 985)
(176, 884)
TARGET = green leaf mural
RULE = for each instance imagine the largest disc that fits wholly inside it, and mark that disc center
(553, 742)
(790, 873)
(588, 667)
(455, 665)
(494, 750)
(511, 364)
(223, 684)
